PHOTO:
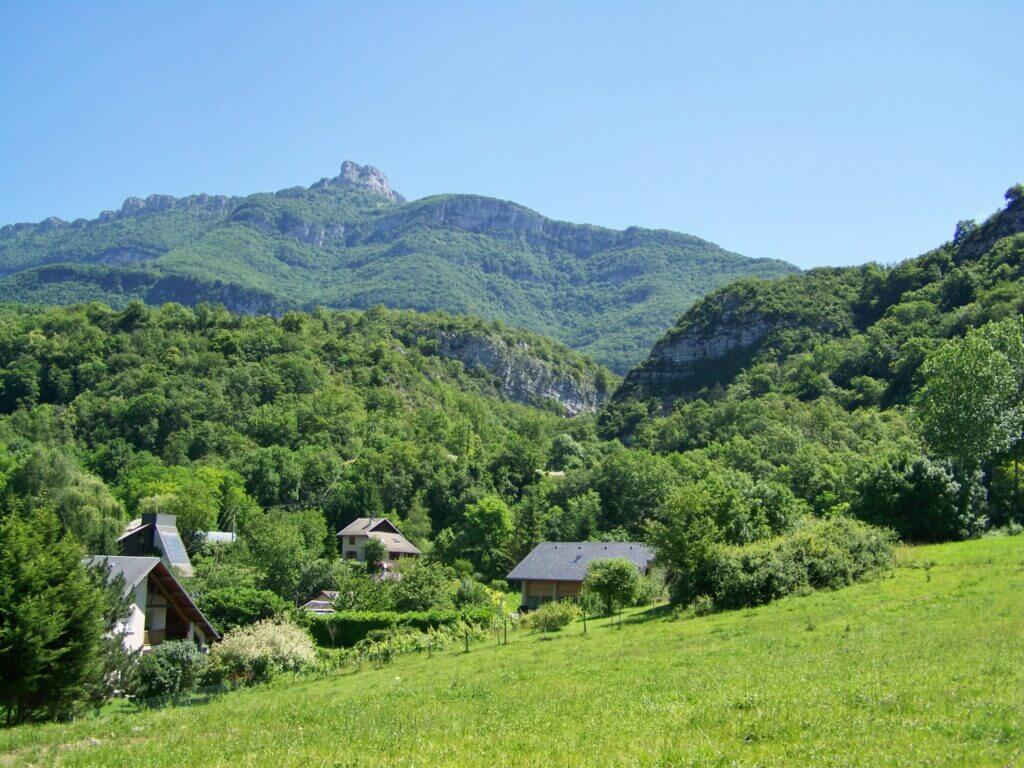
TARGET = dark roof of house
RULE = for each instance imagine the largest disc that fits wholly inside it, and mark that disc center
(135, 569)
(157, 533)
(568, 560)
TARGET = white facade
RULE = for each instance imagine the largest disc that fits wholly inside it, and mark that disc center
(355, 535)
(146, 625)
(159, 607)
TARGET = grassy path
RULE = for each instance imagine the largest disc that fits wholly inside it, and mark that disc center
(922, 669)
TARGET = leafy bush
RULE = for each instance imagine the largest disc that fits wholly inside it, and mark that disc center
(921, 500)
(346, 628)
(818, 554)
(471, 593)
(553, 616)
(260, 651)
(170, 669)
(424, 586)
(233, 607)
(703, 605)
(649, 589)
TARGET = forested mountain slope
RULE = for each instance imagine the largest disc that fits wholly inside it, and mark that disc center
(352, 241)
(346, 412)
(858, 334)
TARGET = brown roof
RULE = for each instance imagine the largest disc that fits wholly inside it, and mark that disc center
(396, 542)
(383, 530)
(362, 526)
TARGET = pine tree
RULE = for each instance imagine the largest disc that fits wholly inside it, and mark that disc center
(416, 526)
(52, 621)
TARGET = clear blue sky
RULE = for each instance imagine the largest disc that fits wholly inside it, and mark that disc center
(815, 133)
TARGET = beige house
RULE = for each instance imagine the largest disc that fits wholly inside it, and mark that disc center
(161, 608)
(355, 535)
(554, 570)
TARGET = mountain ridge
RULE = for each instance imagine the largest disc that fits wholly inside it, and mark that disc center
(874, 316)
(352, 241)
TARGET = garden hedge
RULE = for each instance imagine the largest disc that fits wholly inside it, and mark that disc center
(346, 628)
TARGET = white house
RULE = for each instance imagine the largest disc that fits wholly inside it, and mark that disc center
(355, 535)
(161, 608)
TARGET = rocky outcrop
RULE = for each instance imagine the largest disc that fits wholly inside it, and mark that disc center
(1004, 223)
(365, 177)
(286, 223)
(521, 376)
(700, 355)
(135, 206)
(499, 219)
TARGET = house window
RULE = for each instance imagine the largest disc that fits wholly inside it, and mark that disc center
(352, 540)
(350, 555)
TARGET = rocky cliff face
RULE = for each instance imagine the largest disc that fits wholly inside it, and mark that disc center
(351, 241)
(1005, 223)
(361, 177)
(521, 377)
(680, 364)
(504, 220)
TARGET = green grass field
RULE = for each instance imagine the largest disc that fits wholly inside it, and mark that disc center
(925, 668)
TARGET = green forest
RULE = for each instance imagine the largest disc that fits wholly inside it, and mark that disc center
(886, 406)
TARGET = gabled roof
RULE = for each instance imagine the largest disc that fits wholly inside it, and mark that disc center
(568, 560)
(322, 603)
(362, 526)
(168, 541)
(396, 542)
(382, 529)
(156, 533)
(135, 569)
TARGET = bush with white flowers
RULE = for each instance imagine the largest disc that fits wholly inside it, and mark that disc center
(258, 652)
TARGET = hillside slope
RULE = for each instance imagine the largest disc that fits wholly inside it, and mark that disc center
(352, 241)
(857, 333)
(921, 669)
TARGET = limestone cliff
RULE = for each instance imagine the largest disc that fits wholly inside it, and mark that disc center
(520, 375)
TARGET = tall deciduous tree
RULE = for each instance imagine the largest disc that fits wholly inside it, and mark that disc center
(486, 536)
(374, 553)
(615, 580)
(969, 404)
(684, 538)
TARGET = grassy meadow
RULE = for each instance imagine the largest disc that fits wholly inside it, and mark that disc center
(923, 668)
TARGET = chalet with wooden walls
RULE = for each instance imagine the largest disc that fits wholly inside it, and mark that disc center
(555, 570)
(355, 535)
(161, 609)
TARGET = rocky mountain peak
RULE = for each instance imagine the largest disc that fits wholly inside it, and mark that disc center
(362, 177)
